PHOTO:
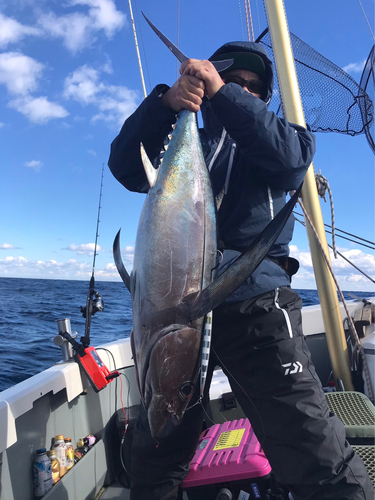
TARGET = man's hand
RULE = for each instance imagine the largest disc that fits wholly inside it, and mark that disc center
(186, 93)
(205, 71)
(198, 78)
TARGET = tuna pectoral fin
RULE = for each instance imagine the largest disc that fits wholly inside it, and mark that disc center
(200, 304)
(118, 261)
(151, 172)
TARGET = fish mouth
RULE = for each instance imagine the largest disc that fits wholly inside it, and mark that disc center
(162, 417)
(170, 378)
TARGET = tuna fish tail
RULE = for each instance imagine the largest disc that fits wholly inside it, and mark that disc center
(119, 263)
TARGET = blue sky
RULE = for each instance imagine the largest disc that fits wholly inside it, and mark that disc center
(68, 79)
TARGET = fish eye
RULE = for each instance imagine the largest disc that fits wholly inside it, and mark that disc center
(186, 390)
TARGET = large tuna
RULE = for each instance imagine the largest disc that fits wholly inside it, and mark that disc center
(171, 283)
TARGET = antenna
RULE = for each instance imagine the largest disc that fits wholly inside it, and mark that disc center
(137, 49)
(94, 302)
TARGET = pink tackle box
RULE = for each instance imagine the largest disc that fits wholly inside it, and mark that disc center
(227, 453)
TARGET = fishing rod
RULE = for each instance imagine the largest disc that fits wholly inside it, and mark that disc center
(94, 302)
(86, 355)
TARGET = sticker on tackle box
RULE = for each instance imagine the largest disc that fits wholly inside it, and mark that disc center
(229, 439)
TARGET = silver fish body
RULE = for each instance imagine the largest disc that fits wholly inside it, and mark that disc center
(175, 255)
(171, 283)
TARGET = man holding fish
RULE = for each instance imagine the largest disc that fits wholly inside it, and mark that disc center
(254, 158)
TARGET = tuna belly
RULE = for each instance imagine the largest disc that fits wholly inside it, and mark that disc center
(171, 377)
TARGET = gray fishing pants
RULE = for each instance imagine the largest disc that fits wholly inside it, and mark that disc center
(254, 341)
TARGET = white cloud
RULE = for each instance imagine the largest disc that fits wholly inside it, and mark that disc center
(104, 15)
(35, 164)
(347, 276)
(355, 67)
(115, 103)
(92, 152)
(85, 249)
(74, 29)
(38, 109)
(78, 29)
(8, 246)
(83, 85)
(12, 31)
(19, 73)
(128, 254)
(24, 268)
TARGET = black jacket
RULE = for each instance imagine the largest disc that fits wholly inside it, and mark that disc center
(256, 156)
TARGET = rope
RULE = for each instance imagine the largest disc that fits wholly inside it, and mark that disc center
(352, 329)
(323, 186)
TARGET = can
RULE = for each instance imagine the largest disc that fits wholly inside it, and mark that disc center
(55, 465)
(69, 453)
(42, 473)
(89, 440)
(60, 448)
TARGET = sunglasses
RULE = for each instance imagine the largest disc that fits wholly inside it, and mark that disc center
(253, 86)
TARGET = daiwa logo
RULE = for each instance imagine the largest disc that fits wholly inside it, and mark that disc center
(291, 368)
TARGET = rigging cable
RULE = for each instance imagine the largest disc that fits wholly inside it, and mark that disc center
(257, 6)
(239, 7)
(371, 243)
(368, 24)
(343, 256)
(357, 343)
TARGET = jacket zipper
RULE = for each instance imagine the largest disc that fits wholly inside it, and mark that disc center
(229, 170)
(220, 145)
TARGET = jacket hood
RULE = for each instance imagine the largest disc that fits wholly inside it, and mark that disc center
(252, 56)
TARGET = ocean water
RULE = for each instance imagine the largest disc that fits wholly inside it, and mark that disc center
(29, 309)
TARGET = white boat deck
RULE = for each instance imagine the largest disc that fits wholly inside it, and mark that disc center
(115, 492)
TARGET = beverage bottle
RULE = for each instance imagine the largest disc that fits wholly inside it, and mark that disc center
(55, 465)
(77, 455)
(42, 473)
(86, 441)
(60, 448)
(69, 453)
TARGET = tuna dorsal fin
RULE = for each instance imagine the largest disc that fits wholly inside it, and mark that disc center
(199, 304)
(151, 172)
(118, 261)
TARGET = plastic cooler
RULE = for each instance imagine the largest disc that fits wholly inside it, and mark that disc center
(228, 454)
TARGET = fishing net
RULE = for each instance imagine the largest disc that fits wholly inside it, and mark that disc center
(332, 100)
(367, 83)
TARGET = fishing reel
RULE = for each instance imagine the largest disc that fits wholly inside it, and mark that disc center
(97, 304)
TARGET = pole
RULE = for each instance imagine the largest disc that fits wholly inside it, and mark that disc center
(137, 49)
(293, 111)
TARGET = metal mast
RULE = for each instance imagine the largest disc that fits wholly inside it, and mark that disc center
(293, 111)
